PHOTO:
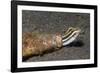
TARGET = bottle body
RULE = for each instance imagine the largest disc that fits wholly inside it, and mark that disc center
(37, 44)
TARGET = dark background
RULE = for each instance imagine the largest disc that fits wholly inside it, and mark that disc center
(54, 22)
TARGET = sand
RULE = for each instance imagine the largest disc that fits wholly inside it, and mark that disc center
(59, 22)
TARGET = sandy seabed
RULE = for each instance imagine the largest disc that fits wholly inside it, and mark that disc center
(54, 22)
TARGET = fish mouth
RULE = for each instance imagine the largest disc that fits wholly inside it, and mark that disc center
(77, 29)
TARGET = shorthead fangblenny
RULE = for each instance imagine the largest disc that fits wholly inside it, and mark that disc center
(38, 43)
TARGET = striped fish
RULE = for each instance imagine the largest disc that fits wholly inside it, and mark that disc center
(70, 35)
